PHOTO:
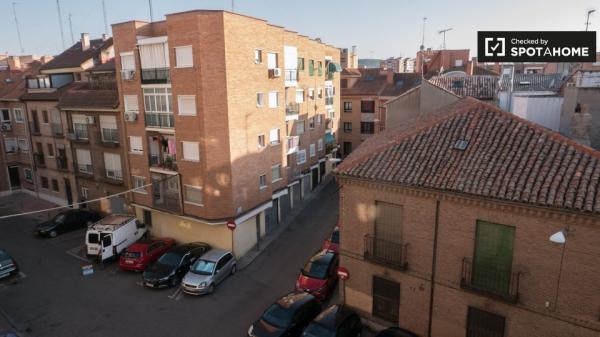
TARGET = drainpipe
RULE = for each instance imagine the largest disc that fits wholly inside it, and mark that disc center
(433, 264)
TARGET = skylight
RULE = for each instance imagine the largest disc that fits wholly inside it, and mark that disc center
(461, 144)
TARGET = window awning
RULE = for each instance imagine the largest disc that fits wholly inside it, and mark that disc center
(334, 67)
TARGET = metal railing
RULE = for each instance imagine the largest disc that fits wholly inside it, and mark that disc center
(292, 109)
(85, 168)
(328, 100)
(110, 136)
(61, 164)
(156, 76)
(290, 75)
(159, 120)
(57, 129)
(491, 280)
(80, 132)
(166, 161)
(384, 252)
(114, 174)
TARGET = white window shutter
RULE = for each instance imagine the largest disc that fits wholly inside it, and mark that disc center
(135, 144)
(187, 105)
(127, 61)
(273, 99)
(191, 151)
(131, 103)
(274, 136)
(108, 122)
(184, 57)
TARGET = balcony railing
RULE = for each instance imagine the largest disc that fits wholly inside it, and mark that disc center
(491, 280)
(156, 76)
(292, 109)
(85, 168)
(34, 128)
(116, 175)
(108, 137)
(166, 161)
(388, 253)
(80, 133)
(39, 159)
(291, 75)
(61, 164)
(166, 193)
(328, 100)
(161, 120)
(57, 129)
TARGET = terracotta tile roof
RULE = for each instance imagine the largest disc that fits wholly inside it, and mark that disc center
(104, 67)
(374, 83)
(351, 72)
(402, 83)
(16, 87)
(507, 158)
(480, 87)
(84, 98)
(74, 56)
(533, 82)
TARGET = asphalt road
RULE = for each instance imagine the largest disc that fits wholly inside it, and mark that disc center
(53, 299)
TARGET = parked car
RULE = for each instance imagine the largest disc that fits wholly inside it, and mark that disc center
(208, 271)
(319, 275)
(144, 252)
(396, 332)
(335, 321)
(288, 316)
(110, 236)
(67, 221)
(8, 265)
(170, 268)
(333, 241)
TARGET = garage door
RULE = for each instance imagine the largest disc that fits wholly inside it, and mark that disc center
(315, 177)
(270, 219)
(322, 169)
(284, 205)
(306, 185)
(296, 194)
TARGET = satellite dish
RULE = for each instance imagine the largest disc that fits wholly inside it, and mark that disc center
(558, 237)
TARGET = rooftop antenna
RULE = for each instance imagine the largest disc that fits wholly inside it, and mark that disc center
(71, 29)
(443, 32)
(14, 5)
(587, 22)
(233, 6)
(105, 19)
(151, 14)
(62, 34)
(423, 37)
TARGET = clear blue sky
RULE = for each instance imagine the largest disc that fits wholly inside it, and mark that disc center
(380, 28)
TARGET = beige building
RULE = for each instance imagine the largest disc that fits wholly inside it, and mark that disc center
(472, 222)
(228, 119)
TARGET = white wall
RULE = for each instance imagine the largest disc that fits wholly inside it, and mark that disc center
(543, 110)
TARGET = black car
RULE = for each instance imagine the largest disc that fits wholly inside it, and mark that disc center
(170, 268)
(396, 332)
(67, 221)
(288, 316)
(335, 321)
(8, 266)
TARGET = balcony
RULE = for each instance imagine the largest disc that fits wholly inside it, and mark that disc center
(85, 169)
(165, 161)
(57, 130)
(161, 120)
(108, 137)
(293, 142)
(292, 110)
(5, 126)
(387, 253)
(113, 176)
(290, 77)
(329, 100)
(80, 133)
(34, 128)
(165, 192)
(61, 164)
(491, 281)
(39, 159)
(156, 76)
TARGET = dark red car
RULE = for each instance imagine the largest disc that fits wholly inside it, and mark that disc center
(332, 243)
(319, 275)
(144, 252)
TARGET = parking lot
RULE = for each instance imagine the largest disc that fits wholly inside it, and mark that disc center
(52, 298)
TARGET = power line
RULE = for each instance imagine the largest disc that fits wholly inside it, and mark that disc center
(62, 34)
(17, 25)
(71, 29)
(105, 19)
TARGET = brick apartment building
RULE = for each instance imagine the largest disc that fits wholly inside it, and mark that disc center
(363, 96)
(446, 226)
(229, 119)
(48, 126)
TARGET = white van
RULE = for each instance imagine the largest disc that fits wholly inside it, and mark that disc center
(111, 235)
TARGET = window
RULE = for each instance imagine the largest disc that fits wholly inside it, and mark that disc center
(320, 93)
(108, 128)
(135, 145)
(44, 182)
(28, 174)
(261, 141)
(347, 106)
(386, 299)
(347, 148)
(272, 60)
(388, 218)
(18, 115)
(127, 61)
(11, 145)
(492, 263)
(312, 150)
(300, 127)
(187, 105)
(344, 83)
(50, 150)
(458, 63)
(257, 56)
(320, 68)
(112, 166)
(84, 193)
(301, 157)
(84, 160)
(311, 93)
(184, 57)
(193, 195)
(318, 119)
(320, 144)
(275, 173)
(139, 183)
(299, 96)
(191, 151)
(262, 181)
(273, 99)
(158, 100)
(367, 106)
(274, 136)
(38, 82)
(55, 185)
(24, 147)
(311, 67)
(347, 127)
(260, 99)
(131, 103)
(311, 123)
(45, 116)
(5, 116)
(80, 127)
(367, 127)
(483, 323)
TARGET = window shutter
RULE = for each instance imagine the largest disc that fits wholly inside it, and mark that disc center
(184, 57)
(271, 60)
(108, 122)
(135, 144)
(112, 161)
(83, 157)
(127, 61)
(131, 103)
(273, 99)
(191, 151)
(274, 136)
(187, 105)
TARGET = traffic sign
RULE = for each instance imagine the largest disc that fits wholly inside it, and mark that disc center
(343, 273)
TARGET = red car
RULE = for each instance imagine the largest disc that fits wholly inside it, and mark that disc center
(332, 243)
(144, 252)
(319, 275)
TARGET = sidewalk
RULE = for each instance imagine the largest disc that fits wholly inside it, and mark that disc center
(251, 255)
(24, 202)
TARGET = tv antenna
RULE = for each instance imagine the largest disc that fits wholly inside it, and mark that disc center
(443, 32)
(62, 34)
(14, 5)
(151, 14)
(423, 36)
(587, 22)
(71, 29)
(105, 19)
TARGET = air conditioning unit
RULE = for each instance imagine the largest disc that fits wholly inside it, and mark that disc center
(91, 119)
(6, 127)
(131, 116)
(127, 75)
(275, 72)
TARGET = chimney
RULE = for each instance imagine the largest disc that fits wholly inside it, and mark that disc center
(580, 125)
(104, 36)
(85, 41)
(390, 76)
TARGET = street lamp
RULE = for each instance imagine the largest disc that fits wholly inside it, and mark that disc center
(560, 238)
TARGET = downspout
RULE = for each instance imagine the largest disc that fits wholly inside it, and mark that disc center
(433, 265)
(34, 170)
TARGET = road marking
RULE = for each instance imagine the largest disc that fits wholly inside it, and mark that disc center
(140, 283)
(73, 253)
(176, 295)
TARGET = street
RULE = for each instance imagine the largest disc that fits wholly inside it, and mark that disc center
(52, 298)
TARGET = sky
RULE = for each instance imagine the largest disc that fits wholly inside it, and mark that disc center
(379, 28)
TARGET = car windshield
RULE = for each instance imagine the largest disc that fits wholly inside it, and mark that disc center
(170, 259)
(60, 218)
(4, 256)
(317, 330)
(335, 237)
(203, 267)
(278, 316)
(93, 238)
(132, 255)
(315, 269)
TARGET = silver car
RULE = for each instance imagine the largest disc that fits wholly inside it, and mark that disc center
(208, 271)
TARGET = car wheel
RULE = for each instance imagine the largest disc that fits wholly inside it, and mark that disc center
(53, 234)
(211, 289)
(233, 269)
